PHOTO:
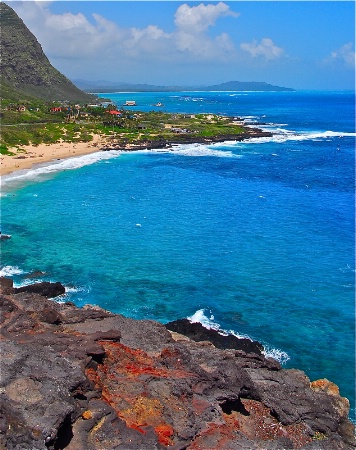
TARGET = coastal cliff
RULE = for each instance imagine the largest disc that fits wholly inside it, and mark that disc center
(85, 378)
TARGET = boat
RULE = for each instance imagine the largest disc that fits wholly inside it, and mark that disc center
(130, 103)
(159, 104)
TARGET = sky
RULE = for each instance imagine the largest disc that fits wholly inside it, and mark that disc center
(302, 44)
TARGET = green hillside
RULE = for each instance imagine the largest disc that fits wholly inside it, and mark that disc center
(26, 72)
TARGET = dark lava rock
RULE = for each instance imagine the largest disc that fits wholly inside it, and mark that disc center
(87, 379)
(197, 332)
(6, 285)
(45, 288)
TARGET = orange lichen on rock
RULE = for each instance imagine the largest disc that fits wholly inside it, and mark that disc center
(87, 415)
(143, 411)
(165, 433)
(135, 362)
(122, 386)
(324, 385)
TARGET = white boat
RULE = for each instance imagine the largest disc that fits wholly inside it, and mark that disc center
(130, 103)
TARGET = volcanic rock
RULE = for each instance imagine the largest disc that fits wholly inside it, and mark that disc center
(45, 288)
(87, 379)
(196, 332)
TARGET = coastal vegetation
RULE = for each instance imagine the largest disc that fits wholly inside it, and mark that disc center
(39, 105)
(36, 123)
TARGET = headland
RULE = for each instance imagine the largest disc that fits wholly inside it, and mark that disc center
(136, 132)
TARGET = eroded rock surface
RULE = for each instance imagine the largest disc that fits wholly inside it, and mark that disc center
(87, 379)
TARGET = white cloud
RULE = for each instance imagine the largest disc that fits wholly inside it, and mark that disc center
(266, 49)
(197, 19)
(344, 54)
(191, 36)
(73, 36)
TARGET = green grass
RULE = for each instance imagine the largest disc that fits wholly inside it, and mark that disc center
(36, 126)
(4, 150)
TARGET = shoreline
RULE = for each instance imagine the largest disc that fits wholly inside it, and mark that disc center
(46, 153)
(30, 155)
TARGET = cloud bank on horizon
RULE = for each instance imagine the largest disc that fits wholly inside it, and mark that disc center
(196, 43)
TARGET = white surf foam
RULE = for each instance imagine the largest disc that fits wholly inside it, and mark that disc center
(200, 317)
(69, 290)
(209, 323)
(282, 135)
(26, 282)
(281, 356)
(72, 289)
(249, 117)
(46, 169)
(8, 271)
(195, 150)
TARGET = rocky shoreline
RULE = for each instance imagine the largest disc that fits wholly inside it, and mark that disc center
(157, 144)
(47, 153)
(86, 379)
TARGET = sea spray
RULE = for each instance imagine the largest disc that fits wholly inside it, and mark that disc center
(209, 323)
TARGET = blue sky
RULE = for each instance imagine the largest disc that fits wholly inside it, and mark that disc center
(303, 45)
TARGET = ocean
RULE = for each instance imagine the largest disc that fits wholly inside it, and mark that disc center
(256, 238)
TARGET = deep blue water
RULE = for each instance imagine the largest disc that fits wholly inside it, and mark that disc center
(255, 237)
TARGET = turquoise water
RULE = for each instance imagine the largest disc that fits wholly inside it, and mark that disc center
(256, 238)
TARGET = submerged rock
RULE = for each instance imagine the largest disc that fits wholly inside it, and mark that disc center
(87, 379)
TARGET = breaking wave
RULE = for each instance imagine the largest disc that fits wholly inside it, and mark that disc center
(46, 169)
(209, 323)
(283, 135)
(194, 150)
(8, 271)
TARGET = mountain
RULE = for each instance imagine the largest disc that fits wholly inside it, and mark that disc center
(26, 71)
(112, 86)
(246, 86)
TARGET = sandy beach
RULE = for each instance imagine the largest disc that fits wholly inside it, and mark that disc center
(43, 153)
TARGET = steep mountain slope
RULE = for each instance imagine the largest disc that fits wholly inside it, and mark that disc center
(25, 69)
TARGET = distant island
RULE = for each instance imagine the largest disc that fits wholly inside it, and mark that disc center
(114, 86)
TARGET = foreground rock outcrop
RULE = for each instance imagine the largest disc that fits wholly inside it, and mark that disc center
(86, 379)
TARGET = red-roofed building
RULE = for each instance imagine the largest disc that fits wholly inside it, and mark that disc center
(113, 112)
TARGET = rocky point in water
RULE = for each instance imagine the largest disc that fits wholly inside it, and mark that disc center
(87, 379)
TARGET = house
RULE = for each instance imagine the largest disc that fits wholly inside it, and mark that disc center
(114, 112)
